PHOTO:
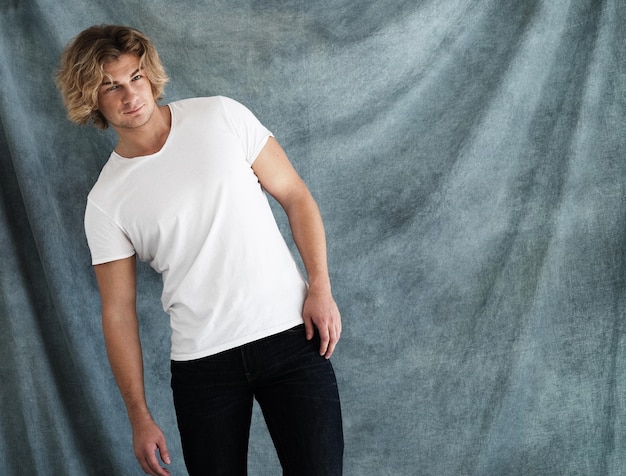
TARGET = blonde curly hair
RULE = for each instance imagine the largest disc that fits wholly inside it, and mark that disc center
(81, 73)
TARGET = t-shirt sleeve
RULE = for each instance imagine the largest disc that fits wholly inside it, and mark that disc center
(252, 134)
(107, 241)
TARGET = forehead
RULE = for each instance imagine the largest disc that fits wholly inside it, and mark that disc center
(122, 67)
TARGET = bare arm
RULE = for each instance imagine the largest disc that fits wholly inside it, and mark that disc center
(117, 283)
(279, 178)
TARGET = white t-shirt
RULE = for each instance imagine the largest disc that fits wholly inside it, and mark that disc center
(196, 212)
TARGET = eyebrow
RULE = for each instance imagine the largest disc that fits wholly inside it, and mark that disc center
(133, 74)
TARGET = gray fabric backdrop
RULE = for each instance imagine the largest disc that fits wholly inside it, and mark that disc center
(468, 158)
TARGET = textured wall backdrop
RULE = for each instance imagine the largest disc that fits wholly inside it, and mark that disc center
(469, 161)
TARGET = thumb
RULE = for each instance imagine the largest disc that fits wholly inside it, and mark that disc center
(163, 451)
(308, 326)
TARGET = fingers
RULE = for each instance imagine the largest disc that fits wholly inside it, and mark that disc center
(329, 332)
(148, 441)
(320, 312)
(151, 466)
(329, 336)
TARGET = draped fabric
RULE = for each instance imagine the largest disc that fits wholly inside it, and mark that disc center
(468, 158)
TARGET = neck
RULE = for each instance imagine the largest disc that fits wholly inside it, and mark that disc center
(146, 139)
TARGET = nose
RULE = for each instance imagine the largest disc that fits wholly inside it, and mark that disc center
(129, 95)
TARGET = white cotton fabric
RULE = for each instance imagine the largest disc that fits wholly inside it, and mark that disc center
(197, 213)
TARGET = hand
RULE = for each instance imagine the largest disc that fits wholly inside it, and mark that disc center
(320, 311)
(147, 438)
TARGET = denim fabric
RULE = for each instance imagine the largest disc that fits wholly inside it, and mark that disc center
(296, 389)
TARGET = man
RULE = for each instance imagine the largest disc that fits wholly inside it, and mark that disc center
(183, 190)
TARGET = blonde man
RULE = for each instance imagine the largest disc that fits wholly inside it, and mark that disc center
(184, 190)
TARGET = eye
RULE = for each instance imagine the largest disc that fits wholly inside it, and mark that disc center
(137, 78)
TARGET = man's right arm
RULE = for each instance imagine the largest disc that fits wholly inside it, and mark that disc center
(117, 284)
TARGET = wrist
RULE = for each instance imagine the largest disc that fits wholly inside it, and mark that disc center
(320, 287)
(139, 415)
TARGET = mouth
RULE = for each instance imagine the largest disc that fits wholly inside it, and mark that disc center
(134, 111)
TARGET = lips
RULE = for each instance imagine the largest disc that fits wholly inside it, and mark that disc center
(133, 111)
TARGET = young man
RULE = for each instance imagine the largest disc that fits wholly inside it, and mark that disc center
(183, 190)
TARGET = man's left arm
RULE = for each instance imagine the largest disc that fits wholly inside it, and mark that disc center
(280, 179)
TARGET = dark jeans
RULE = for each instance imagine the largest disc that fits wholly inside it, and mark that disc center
(296, 390)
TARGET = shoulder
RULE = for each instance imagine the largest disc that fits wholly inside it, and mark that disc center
(203, 110)
(214, 111)
(209, 104)
(206, 102)
(105, 177)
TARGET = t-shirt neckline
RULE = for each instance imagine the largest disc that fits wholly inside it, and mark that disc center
(159, 152)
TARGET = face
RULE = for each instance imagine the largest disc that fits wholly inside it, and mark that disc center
(125, 96)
